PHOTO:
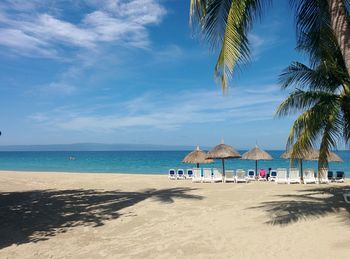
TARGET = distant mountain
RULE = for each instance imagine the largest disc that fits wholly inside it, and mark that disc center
(94, 147)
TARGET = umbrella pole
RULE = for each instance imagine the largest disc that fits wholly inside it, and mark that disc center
(301, 169)
(197, 165)
(256, 167)
(223, 169)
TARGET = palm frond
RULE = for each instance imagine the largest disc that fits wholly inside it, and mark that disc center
(217, 21)
(321, 122)
(225, 24)
(312, 20)
(305, 131)
(332, 132)
(300, 100)
(198, 9)
(326, 76)
(234, 46)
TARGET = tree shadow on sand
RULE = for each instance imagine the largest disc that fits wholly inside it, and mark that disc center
(308, 204)
(33, 216)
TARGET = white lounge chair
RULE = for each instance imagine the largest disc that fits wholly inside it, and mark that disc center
(172, 174)
(262, 179)
(197, 175)
(339, 177)
(273, 175)
(180, 174)
(309, 176)
(331, 177)
(207, 175)
(281, 175)
(294, 176)
(323, 175)
(189, 173)
(251, 175)
(241, 176)
(229, 176)
(217, 176)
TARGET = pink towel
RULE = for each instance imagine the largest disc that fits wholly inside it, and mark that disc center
(262, 173)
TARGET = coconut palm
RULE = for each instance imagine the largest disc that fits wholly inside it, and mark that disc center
(226, 23)
(322, 94)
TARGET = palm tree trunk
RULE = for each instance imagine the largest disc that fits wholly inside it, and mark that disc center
(341, 28)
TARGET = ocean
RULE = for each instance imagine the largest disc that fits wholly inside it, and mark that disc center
(148, 162)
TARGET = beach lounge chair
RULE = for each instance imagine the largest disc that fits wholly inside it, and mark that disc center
(309, 176)
(189, 174)
(197, 175)
(241, 176)
(339, 177)
(330, 176)
(347, 197)
(294, 176)
(262, 175)
(229, 176)
(172, 174)
(217, 175)
(323, 178)
(180, 174)
(273, 175)
(251, 175)
(207, 175)
(281, 175)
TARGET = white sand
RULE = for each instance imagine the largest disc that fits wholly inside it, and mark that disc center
(72, 215)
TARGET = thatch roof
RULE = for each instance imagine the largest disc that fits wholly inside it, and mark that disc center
(197, 156)
(223, 151)
(307, 155)
(312, 154)
(256, 154)
(333, 157)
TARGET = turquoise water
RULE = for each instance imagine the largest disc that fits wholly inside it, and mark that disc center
(157, 162)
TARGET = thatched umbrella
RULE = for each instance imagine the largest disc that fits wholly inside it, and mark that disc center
(311, 154)
(332, 157)
(256, 154)
(223, 151)
(307, 155)
(197, 156)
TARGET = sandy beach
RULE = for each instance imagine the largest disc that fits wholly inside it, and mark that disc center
(78, 215)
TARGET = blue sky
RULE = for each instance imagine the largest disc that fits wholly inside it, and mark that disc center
(118, 71)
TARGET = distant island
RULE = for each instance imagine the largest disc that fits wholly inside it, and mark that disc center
(95, 147)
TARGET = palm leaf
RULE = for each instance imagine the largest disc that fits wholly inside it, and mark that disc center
(332, 132)
(321, 122)
(225, 25)
(300, 100)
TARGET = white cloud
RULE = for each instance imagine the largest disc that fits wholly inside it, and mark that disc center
(115, 22)
(20, 5)
(24, 44)
(168, 112)
(260, 44)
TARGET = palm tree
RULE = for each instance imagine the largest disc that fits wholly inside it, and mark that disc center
(322, 94)
(226, 23)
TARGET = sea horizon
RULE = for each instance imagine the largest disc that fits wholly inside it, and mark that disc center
(95, 146)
